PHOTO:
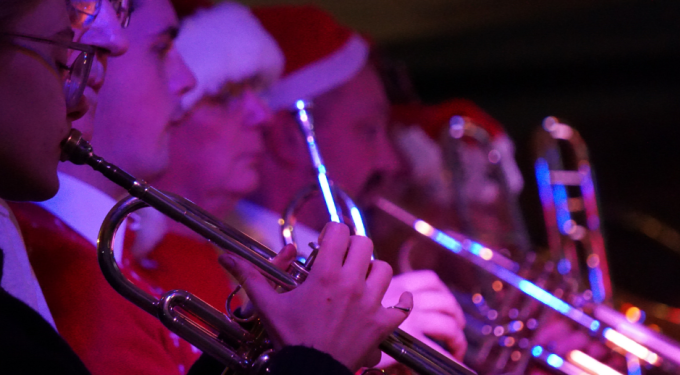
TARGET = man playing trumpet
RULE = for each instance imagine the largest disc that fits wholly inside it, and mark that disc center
(136, 110)
(222, 145)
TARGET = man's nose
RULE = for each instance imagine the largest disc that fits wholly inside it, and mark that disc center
(106, 32)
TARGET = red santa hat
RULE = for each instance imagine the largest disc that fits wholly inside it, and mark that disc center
(418, 120)
(432, 118)
(320, 54)
(226, 43)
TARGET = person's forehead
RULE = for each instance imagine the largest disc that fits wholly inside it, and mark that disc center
(363, 97)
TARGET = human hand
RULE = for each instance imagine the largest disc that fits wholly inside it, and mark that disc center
(337, 309)
(436, 314)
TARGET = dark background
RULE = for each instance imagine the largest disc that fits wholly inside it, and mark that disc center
(609, 67)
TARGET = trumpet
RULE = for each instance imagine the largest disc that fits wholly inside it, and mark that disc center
(324, 185)
(214, 333)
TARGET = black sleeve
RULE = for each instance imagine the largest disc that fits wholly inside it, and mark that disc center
(206, 365)
(291, 360)
(302, 360)
(29, 345)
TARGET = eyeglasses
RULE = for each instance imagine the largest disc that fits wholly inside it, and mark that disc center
(79, 71)
(123, 9)
(83, 12)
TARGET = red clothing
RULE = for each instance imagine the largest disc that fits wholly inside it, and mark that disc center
(180, 262)
(109, 333)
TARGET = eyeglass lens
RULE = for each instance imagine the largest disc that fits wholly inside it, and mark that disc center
(83, 12)
(123, 9)
(77, 79)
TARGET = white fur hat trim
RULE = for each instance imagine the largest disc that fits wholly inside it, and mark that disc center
(321, 76)
(226, 43)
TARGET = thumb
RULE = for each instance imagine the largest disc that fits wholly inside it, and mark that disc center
(395, 315)
(259, 290)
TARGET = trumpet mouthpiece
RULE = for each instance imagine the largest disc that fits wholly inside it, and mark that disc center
(75, 149)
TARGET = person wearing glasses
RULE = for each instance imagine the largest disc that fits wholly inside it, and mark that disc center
(138, 107)
(43, 74)
(158, 29)
(110, 334)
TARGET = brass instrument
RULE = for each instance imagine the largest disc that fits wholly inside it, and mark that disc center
(570, 211)
(330, 193)
(492, 305)
(611, 326)
(571, 192)
(191, 318)
(458, 128)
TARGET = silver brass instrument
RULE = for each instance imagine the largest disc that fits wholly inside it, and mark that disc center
(334, 197)
(191, 318)
(567, 192)
(491, 304)
(572, 192)
(611, 326)
(458, 128)
(330, 193)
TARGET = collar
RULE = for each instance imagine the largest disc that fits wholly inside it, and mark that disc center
(83, 208)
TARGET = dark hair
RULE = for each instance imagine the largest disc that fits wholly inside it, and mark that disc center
(11, 10)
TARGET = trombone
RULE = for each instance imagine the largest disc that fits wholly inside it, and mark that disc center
(576, 224)
(194, 320)
(567, 192)
(646, 345)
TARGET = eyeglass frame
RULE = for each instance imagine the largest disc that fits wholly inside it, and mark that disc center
(87, 49)
(123, 9)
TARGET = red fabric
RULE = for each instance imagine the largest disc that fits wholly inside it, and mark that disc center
(110, 334)
(432, 118)
(180, 262)
(306, 34)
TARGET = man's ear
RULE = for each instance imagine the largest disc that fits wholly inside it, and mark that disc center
(284, 141)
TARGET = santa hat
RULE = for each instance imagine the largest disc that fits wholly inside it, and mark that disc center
(226, 43)
(418, 120)
(320, 54)
(433, 118)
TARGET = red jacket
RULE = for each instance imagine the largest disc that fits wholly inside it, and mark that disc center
(180, 262)
(110, 334)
